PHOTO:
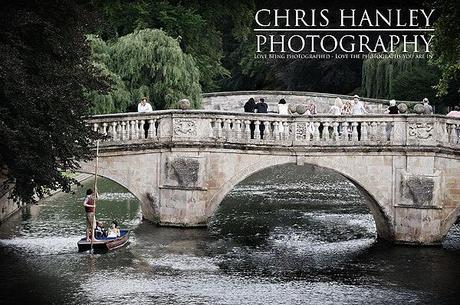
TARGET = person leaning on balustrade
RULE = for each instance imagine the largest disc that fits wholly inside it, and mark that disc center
(428, 107)
(336, 109)
(311, 108)
(393, 109)
(144, 106)
(456, 114)
(346, 109)
(358, 109)
(358, 106)
(250, 106)
(283, 107)
(262, 107)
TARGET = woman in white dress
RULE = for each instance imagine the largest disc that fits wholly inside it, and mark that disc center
(336, 109)
(283, 109)
(114, 231)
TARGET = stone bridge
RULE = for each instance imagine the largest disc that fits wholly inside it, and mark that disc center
(187, 161)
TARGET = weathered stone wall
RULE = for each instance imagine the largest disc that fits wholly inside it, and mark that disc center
(7, 206)
(416, 196)
(234, 101)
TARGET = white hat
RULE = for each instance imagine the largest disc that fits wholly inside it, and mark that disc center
(356, 96)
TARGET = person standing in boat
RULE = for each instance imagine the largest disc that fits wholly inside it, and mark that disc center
(90, 206)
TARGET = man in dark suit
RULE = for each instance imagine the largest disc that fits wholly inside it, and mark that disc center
(262, 107)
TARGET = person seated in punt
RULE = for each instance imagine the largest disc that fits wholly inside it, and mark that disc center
(100, 231)
(114, 231)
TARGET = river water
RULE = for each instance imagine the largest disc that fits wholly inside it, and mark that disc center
(287, 235)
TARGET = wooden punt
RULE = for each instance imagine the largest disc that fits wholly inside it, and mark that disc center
(104, 244)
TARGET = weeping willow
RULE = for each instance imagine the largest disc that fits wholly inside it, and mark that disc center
(144, 63)
(380, 74)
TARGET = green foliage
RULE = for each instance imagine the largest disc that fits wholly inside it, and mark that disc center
(44, 66)
(119, 98)
(386, 77)
(446, 45)
(195, 24)
(145, 63)
(415, 84)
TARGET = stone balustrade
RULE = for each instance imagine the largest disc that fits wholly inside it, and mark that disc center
(277, 130)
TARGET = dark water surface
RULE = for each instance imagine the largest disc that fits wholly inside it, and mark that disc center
(287, 235)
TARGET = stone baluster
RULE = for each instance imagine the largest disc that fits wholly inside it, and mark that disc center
(267, 131)
(96, 127)
(152, 133)
(133, 127)
(257, 130)
(373, 134)
(141, 131)
(238, 129)
(123, 131)
(285, 131)
(276, 131)
(335, 131)
(383, 132)
(114, 131)
(364, 128)
(453, 134)
(227, 130)
(104, 128)
(247, 129)
(316, 131)
(345, 132)
(326, 136)
(128, 130)
(354, 131)
(219, 128)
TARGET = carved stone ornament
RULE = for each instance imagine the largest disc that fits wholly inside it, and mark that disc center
(184, 171)
(301, 131)
(184, 127)
(421, 130)
(418, 190)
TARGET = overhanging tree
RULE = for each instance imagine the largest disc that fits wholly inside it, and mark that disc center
(44, 66)
(146, 63)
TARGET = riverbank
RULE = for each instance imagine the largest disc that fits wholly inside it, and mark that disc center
(8, 207)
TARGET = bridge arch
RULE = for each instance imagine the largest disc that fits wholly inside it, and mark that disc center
(378, 210)
(114, 179)
(137, 179)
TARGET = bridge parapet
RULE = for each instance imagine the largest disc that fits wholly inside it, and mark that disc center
(218, 127)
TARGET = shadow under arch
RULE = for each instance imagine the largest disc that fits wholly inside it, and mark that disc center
(381, 219)
(114, 180)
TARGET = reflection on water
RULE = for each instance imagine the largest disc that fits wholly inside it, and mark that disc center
(288, 235)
